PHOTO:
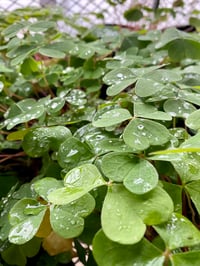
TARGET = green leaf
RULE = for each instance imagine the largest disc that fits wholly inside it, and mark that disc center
(190, 96)
(178, 108)
(76, 97)
(118, 165)
(46, 185)
(31, 248)
(72, 152)
(164, 76)
(170, 35)
(146, 87)
(119, 86)
(186, 258)
(25, 218)
(55, 105)
(154, 207)
(140, 134)
(192, 142)
(149, 111)
(26, 230)
(51, 52)
(16, 254)
(38, 141)
(194, 190)
(187, 166)
(139, 175)
(5, 69)
(133, 14)
(18, 213)
(193, 120)
(111, 117)
(194, 21)
(142, 178)
(78, 182)
(184, 48)
(41, 26)
(13, 255)
(13, 29)
(119, 79)
(28, 109)
(22, 53)
(67, 220)
(175, 192)
(107, 252)
(120, 222)
(181, 45)
(178, 232)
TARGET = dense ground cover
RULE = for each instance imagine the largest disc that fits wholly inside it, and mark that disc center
(100, 144)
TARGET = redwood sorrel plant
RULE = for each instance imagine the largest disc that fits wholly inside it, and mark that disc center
(100, 144)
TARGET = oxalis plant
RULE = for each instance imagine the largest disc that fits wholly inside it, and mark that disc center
(100, 144)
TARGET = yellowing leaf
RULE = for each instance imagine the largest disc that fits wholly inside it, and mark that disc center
(55, 244)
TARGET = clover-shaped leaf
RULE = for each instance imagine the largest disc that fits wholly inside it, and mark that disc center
(121, 223)
(79, 181)
(38, 141)
(140, 134)
(178, 232)
(25, 218)
(138, 175)
(111, 117)
(67, 220)
(22, 112)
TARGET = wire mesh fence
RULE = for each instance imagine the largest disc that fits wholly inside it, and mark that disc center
(111, 14)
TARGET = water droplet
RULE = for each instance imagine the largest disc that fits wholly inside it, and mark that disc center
(72, 152)
(54, 105)
(140, 127)
(73, 222)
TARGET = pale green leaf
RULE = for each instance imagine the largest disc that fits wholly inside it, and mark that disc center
(149, 111)
(111, 117)
(178, 108)
(51, 52)
(193, 120)
(78, 182)
(67, 220)
(178, 232)
(120, 222)
(142, 178)
(46, 185)
(25, 230)
(146, 87)
(140, 134)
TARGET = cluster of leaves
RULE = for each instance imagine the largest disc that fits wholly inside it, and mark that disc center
(100, 144)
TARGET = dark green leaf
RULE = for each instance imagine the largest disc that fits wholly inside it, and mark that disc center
(107, 252)
(72, 152)
(186, 258)
(133, 14)
(194, 190)
(40, 140)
